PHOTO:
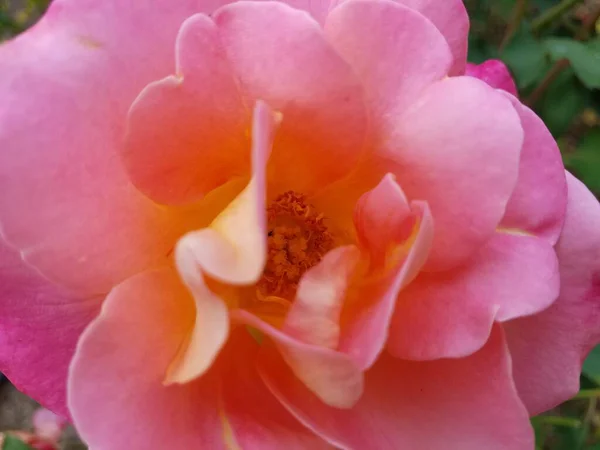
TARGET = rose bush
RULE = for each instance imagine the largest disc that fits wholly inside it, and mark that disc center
(302, 225)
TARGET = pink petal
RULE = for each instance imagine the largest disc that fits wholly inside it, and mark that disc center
(314, 316)
(451, 18)
(116, 391)
(457, 148)
(232, 250)
(187, 132)
(35, 350)
(280, 55)
(257, 420)
(454, 404)
(539, 201)
(549, 348)
(394, 50)
(66, 86)
(495, 73)
(450, 315)
(396, 255)
(330, 375)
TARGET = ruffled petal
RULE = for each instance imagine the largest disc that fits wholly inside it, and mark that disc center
(394, 50)
(451, 314)
(66, 85)
(539, 201)
(549, 348)
(280, 55)
(116, 392)
(187, 134)
(457, 148)
(451, 18)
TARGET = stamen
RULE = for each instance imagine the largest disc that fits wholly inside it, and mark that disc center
(297, 240)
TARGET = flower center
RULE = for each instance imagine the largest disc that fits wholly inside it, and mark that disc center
(298, 239)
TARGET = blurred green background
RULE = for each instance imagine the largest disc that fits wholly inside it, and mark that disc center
(553, 49)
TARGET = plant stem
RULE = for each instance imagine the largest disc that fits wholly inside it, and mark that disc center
(552, 75)
(559, 421)
(588, 393)
(552, 14)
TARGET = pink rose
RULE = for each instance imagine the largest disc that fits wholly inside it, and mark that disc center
(261, 225)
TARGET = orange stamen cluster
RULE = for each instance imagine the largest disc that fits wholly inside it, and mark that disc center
(298, 238)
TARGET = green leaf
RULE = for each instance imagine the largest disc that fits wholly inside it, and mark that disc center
(563, 102)
(591, 366)
(526, 57)
(583, 56)
(14, 443)
(585, 162)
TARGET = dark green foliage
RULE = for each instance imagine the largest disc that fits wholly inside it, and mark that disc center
(13, 443)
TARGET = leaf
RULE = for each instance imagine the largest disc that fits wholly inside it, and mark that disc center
(591, 366)
(14, 443)
(526, 57)
(585, 162)
(563, 102)
(583, 56)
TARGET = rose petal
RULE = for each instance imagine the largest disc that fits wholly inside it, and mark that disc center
(394, 50)
(495, 73)
(454, 404)
(549, 348)
(187, 133)
(457, 148)
(34, 351)
(314, 316)
(232, 250)
(451, 18)
(66, 85)
(396, 255)
(280, 55)
(116, 391)
(539, 200)
(450, 314)
(257, 420)
(330, 375)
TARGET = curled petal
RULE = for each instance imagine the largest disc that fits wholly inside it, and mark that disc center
(330, 375)
(232, 250)
(398, 238)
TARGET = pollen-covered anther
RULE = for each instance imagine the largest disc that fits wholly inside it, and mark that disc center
(298, 239)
